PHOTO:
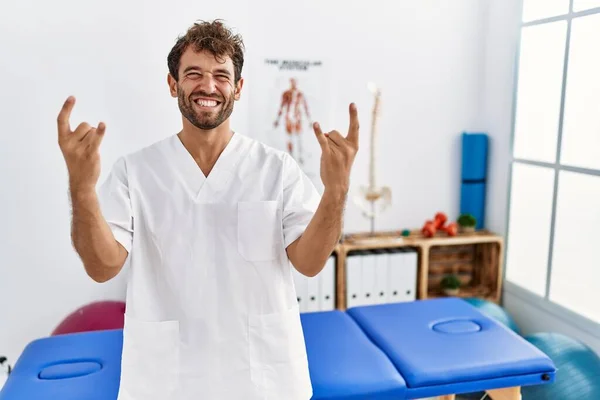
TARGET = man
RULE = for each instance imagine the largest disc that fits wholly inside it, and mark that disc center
(210, 220)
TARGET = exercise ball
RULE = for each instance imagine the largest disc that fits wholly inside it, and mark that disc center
(494, 311)
(578, 369)
(97, 316)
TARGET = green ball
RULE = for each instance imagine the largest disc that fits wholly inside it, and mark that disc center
(406, 232)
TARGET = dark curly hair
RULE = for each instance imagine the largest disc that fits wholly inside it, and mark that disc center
(212, 36)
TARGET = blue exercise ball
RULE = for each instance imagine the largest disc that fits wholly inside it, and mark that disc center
(494, 311)
(578, 369)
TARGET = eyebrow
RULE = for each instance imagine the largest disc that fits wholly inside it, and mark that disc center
(218, 70)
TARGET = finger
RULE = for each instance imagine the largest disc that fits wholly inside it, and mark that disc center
(336, 138)
(319, 134)
(64, 127)
(101, 128)
(354, 125)
(89, 137)
(95, 136)
(81, 131)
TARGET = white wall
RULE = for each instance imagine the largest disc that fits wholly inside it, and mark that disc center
(501, 41)
(112, 56)
(427, 55)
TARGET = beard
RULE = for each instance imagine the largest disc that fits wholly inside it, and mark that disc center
(204, 120)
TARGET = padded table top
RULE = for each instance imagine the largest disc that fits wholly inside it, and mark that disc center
(93, 359)
(449, 342)
(344, 363)
(410, 350)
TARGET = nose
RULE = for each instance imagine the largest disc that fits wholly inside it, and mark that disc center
(207, 83)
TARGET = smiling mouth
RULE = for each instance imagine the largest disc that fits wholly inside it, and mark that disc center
(205, 103)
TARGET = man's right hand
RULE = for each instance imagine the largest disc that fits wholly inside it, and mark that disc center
(102, 256)
(80, 149)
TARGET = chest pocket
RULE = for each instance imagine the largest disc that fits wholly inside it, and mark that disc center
(259, 235)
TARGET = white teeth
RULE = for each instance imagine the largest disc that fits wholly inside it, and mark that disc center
(206, 103)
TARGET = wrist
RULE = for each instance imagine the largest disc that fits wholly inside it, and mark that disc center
(337, 192)
(82, 192)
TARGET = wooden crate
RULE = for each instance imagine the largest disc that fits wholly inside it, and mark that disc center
(476, 265)
(475, 257)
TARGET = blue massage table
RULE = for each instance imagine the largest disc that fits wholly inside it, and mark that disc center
(413, 350)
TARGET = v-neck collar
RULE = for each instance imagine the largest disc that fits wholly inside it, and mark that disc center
(191, 174)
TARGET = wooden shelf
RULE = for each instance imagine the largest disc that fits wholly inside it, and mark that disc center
(475, 257)
(394, 239)
(480, 291)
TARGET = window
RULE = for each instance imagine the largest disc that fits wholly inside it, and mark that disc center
(554, 207)
(581, 130)
(575, 280)
(540, 9)
(529, 228)
(582, 5)
(539, 91)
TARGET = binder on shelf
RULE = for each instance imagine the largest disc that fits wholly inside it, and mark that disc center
(354, 292)
(411, 266)
(402, 264)
(313, 298)
(381, 275)
(301, 285)
(327, 285)
(369, 267)
(395, 267)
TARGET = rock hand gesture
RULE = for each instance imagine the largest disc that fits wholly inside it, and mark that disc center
(80, 149)
(338, 153)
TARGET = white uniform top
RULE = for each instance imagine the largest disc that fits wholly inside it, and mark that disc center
(211, 306)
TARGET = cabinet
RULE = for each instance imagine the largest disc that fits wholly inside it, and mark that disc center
(413, 266)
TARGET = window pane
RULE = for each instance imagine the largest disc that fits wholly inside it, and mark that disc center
(580, 5)
(539, 91)
(538, 9)
(529, 226)
(575, 280)
(581, 130)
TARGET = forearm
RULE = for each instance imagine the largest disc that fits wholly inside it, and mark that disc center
(322, 233)
(101, 254)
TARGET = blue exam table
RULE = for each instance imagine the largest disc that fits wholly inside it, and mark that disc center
(392, 351)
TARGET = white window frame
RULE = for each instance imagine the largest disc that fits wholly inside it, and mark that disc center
(544, 303)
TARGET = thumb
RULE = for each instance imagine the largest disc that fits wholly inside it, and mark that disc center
(319, 134)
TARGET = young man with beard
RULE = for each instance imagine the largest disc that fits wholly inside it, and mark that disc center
(211, 221)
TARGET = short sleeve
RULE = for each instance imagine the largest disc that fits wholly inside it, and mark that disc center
(115, 204)
(300, 200)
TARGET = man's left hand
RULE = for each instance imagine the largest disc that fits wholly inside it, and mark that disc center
(338, 153)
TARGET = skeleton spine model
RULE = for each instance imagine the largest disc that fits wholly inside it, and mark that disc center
(373, 194)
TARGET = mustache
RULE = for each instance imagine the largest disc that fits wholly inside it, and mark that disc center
(206, 95)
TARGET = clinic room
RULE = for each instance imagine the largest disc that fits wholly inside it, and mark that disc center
(312, 200)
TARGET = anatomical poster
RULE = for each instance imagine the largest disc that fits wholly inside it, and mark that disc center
(291, 94)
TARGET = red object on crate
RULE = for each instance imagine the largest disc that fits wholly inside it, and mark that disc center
(430, 227)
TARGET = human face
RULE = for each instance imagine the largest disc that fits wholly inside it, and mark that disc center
(206, 90)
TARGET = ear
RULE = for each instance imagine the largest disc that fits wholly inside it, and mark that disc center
(238, 89)
(172, 85)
